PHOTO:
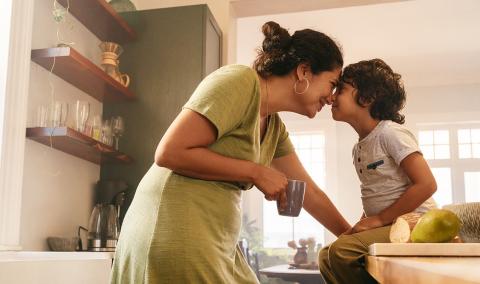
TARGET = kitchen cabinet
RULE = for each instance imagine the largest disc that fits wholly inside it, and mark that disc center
(175, 49)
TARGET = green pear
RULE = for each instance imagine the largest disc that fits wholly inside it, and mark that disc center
(436, 226)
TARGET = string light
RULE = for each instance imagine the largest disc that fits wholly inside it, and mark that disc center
(59, 14)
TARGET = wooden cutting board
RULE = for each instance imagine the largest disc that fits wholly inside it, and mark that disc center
(425, 249)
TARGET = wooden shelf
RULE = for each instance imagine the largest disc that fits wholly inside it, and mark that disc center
(81, 72)
(100, 18)
(77, 144)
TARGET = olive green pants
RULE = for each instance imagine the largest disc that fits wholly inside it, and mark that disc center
(343, 261)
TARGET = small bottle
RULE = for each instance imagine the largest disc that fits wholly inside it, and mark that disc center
(97, 128)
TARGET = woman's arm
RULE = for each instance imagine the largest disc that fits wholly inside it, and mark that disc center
(184, 149)
(316, 202)
(423, 186)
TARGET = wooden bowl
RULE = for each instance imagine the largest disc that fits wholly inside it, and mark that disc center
(469, 214)
(63, 244)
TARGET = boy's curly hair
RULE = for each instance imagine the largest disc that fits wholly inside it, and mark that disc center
(376, 83)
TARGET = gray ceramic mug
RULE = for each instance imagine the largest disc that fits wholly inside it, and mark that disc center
(295, 193)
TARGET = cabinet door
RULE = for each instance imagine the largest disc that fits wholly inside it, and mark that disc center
(212, 47)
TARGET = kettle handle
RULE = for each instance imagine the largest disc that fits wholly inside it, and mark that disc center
(80, 244)
(125, 79)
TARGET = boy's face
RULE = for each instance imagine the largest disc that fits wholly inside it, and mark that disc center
(345, 107)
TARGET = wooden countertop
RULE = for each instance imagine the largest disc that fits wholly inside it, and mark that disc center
(439, 270)
(301, 276)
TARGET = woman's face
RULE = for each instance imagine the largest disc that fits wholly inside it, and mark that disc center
(319, 93)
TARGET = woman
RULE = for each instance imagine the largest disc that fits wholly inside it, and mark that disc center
(184, 221)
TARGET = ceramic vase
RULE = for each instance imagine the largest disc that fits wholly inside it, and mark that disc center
(122, 6)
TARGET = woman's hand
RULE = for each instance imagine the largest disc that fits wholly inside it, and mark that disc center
(271, 182)
(366, 223)
(316, 202)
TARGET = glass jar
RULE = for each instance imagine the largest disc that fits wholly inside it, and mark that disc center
(122, 6)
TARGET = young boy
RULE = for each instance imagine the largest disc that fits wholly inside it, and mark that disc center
(395, 179)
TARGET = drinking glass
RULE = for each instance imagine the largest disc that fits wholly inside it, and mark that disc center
(107, 132)
(81, 115)
(118, 127)
(42, 116)
(58, 113)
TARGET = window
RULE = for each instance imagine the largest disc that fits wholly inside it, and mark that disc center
(443, 195)
(452, 152)
(435, 144)
(278, 230)
(472, 186)
(469, 143)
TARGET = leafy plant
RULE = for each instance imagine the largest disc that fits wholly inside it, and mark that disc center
(251, 233)
(266, 257)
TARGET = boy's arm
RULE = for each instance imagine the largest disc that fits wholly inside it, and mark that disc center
(402, 146)
(423, 186)
(316, 202)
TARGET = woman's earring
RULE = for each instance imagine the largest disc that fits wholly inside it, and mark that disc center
(295, 86)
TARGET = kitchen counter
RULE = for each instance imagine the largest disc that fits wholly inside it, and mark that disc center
(38, 267)
(9, 256)
(440, 270)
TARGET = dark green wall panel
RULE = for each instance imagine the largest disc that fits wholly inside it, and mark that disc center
(165, 64)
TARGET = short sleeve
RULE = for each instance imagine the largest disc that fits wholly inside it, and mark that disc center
(284, 145)
(399, 142)
(224, 97)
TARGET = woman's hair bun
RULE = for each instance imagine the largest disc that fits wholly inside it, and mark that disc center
(281, 53)
(276, 37)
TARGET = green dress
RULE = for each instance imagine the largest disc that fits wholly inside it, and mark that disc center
(185, 230)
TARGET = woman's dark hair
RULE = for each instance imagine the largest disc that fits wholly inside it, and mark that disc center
(281, 53)
(376, 83)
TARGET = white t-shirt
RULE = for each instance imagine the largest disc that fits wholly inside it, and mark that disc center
(377, 159)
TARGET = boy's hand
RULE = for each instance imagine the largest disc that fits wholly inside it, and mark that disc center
(348, 232)
(366, 223)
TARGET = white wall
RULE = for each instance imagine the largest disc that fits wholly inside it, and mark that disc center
(429, 42)
(5, 14)
(57, 187)
(450, 99)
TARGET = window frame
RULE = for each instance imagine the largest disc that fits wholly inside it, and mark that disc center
(253, 199)
(471, 143)
(457, 166)
(294, 221)
(434, 144)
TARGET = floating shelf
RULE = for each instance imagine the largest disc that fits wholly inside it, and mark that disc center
(100, 18)
(81, 72)
(77, 144)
